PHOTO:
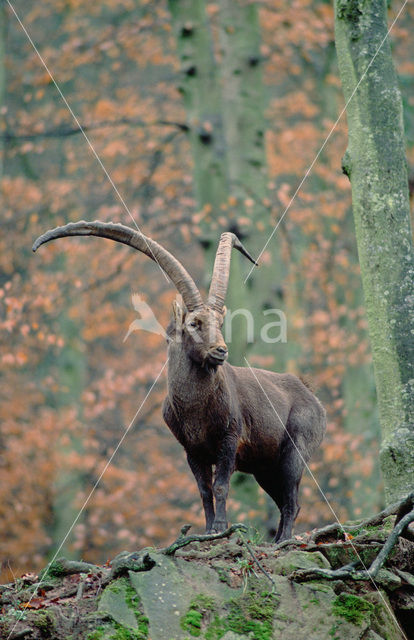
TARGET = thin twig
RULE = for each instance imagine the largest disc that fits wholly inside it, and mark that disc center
(184, 540)
(256, 561)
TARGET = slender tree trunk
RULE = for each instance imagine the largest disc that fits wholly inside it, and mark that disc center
(243, 103)
(3, 25)
(224, 96)
(243, 100)
(376, 165)
(69, 482)
(201, 94)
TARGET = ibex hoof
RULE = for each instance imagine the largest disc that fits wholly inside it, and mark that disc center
(218, 527)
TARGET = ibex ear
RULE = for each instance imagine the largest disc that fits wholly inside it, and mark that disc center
(178, 313)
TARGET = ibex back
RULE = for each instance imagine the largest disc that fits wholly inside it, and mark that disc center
(227, 418)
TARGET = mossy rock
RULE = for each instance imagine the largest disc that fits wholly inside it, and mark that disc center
(289, 562)
(388, 580)
(167, 593)
(306, 612)
(341, 554)
(121, 603)
(44, 621)
(384, 622)
(114, 632)
(352, 608)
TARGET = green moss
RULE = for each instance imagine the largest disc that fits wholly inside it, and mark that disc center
(217, 629)
(223, 575)
(115, 586)
(252, 614)
(353, 608)
(349, 10)
(197, 613)
(54, 570)
(133, 601)
(122, 633)
(97, 634)
(332, 632)
(119, 632)
(203, 602)
(320, 586)
(45, 622)
(191, 622)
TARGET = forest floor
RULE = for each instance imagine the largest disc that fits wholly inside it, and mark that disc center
(335, 583)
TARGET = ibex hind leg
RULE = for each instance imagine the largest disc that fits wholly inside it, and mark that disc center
(282, 487)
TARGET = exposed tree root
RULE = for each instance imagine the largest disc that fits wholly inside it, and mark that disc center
(64, 567)
(397, 508)
(336, 529)
(124, 562)
(142, 561)
(350, 571)
(184, 540)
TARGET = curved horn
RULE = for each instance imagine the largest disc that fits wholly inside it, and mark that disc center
(120, 233)
(221, 271)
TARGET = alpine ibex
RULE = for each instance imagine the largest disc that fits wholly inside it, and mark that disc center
(230, 418)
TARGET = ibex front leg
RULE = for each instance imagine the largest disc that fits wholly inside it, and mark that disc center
(204, 475)
(224, 468)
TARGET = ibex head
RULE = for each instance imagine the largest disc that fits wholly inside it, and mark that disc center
(198, 327)
(199, 330)
(198, 333)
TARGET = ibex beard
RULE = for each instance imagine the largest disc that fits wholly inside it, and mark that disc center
(227, 418)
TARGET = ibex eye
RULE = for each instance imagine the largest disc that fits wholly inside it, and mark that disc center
(193, 324)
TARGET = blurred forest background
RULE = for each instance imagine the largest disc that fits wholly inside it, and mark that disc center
(194, 148)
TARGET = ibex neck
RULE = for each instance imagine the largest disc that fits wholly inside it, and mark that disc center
(189, 382)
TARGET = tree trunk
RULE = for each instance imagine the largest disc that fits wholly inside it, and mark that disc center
(224, 95)
(3, 25)
(201, 95)
(69, 482)
(243, 101)
(376, 165)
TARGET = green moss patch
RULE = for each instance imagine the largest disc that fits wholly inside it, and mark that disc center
(115, 631)
(200, 610)
(251, 614)
(353, 608)
(122, 603)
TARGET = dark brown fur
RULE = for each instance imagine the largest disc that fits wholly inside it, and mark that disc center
(232, 418)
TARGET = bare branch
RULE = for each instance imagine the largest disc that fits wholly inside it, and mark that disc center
(64, 132)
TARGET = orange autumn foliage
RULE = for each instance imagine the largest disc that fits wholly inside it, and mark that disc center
(70, 385)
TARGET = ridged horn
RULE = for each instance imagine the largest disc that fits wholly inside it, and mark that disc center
(221, 271)
(120, 233)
